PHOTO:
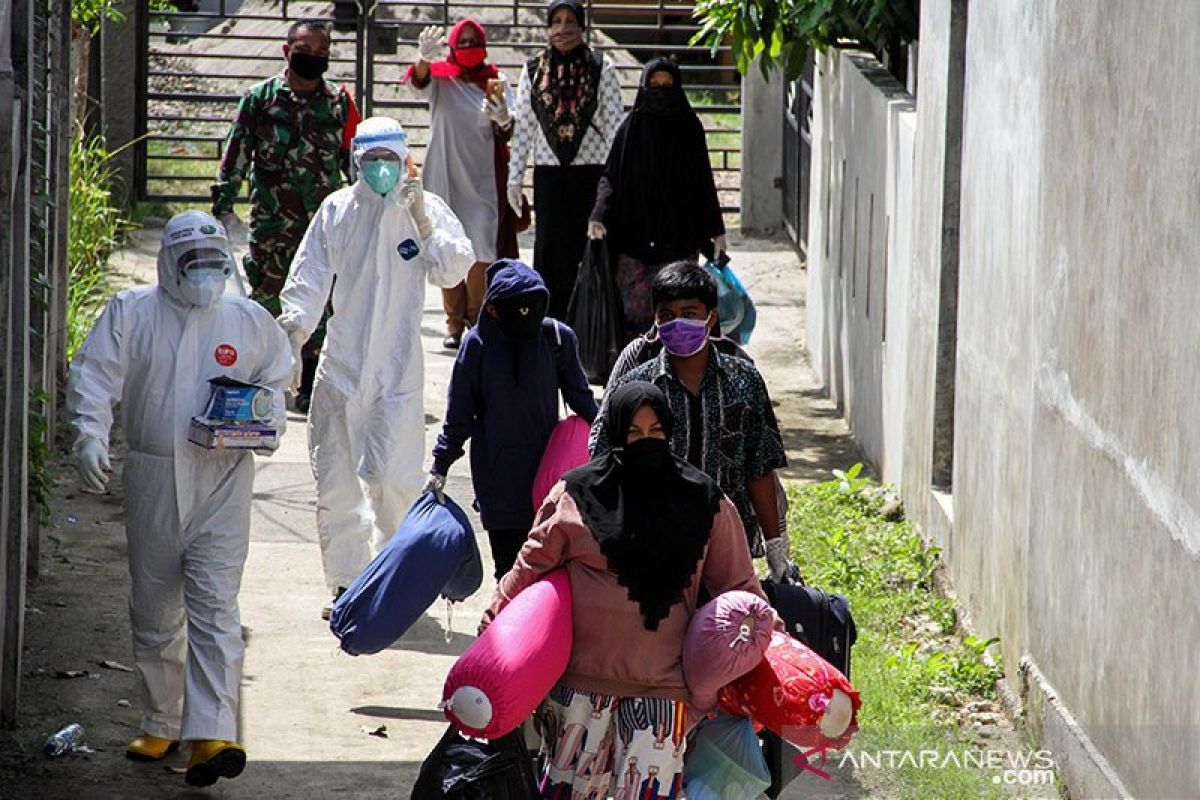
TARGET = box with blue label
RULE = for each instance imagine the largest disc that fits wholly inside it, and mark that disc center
(234, 401)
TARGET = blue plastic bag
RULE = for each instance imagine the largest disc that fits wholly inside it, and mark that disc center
(433, 552)
(730, 307)
(724, 760)
(735, 309)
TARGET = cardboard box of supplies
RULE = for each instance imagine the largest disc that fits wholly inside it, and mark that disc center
(217, 435)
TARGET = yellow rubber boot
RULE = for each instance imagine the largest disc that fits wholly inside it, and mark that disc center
(150, 748)
(213, 759)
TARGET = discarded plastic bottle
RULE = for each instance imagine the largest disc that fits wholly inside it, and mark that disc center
(63, 741)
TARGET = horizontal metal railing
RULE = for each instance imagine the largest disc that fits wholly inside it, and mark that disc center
(191, 83)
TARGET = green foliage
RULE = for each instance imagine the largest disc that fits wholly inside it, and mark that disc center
(39, 455)
(908, 648)
(95, 230)
(780, 32)
(90, 14)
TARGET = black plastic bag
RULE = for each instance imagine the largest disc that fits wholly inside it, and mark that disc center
(595, 313)
(467, 769)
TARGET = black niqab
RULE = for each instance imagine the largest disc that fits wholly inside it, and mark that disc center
(652, 524)
(664, 202)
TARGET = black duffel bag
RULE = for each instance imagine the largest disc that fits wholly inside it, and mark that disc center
(595, 313)
(823, 622)
(469, 769)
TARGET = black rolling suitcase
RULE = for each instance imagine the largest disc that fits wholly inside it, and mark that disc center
(823, 622)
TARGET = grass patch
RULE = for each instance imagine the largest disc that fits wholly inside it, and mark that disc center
(915, 673)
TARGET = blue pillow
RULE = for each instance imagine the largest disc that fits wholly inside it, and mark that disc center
(433, 552)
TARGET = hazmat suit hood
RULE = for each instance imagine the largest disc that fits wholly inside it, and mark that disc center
(508, 279)
(190, 241)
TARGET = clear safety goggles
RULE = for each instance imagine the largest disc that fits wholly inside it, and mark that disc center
(202, 255)
(365, 147)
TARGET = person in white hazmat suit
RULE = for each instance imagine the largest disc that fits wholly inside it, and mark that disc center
(154, 350)
(382, 238)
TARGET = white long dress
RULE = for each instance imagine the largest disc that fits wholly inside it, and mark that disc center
(459, 162)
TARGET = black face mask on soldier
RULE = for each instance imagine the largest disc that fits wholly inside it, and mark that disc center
(308, 66)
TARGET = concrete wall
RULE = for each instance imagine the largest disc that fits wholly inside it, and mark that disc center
(762, 152)
(118, 96)
(1051, 353)
(859, 223)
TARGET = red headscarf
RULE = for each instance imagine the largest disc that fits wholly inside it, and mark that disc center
(450, 68)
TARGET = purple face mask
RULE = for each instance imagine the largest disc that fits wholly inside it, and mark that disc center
(684, 337)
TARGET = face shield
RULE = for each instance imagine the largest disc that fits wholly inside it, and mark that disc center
(378, 133)
(381, 169)
(196, 255)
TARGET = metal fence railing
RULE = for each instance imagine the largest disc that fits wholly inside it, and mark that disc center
(190, 80)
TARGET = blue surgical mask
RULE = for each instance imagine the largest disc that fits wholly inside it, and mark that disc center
(382, 176)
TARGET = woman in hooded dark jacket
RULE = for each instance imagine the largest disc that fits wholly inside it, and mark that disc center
(503, 396)
(656, 201)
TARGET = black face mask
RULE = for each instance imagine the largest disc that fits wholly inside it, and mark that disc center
(521, 317)
(647, 459)
(661, 99)
(308, 66)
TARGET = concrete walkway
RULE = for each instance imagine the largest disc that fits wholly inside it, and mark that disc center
(309, 712)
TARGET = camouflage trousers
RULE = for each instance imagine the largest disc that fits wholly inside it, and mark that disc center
(267, 266)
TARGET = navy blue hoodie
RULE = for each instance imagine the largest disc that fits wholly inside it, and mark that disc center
(504, 397)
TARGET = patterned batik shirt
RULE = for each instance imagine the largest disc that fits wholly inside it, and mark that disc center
(529, 140)
(728, 430)
(294, 148)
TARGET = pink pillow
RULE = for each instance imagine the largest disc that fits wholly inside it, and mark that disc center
(500, 679)
(566, 450)
(798, 695)
(725, 639)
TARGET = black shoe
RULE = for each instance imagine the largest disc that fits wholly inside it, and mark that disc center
(303, 401)
(452, 341)
(327, 611)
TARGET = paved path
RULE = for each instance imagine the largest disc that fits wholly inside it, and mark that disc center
(306, 707)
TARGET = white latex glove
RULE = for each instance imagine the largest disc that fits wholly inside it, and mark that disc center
(412, 194)
(596, 230)
(430, 43)
(437, 484)
(777, 556)
(297, 340)
(92, 459)
(720, 245)
(497, 110)
(514, 197)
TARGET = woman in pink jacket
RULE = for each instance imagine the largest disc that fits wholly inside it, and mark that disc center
(639, 532)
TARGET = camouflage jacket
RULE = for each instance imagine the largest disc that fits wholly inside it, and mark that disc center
(295, 147)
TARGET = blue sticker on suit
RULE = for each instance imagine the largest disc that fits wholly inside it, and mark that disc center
(408, 249)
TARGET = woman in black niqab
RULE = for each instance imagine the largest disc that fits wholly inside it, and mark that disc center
(650, 511)
(657, 201)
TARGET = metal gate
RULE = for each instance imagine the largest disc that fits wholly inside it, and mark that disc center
(194, 66)
(797, 154)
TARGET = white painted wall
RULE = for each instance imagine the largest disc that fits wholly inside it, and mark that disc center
(1073, 527)
(859, 232)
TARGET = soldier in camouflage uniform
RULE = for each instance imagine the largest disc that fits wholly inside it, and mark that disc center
(292, 135)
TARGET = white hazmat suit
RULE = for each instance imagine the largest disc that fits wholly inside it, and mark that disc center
(366, 424)
(188, 509)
